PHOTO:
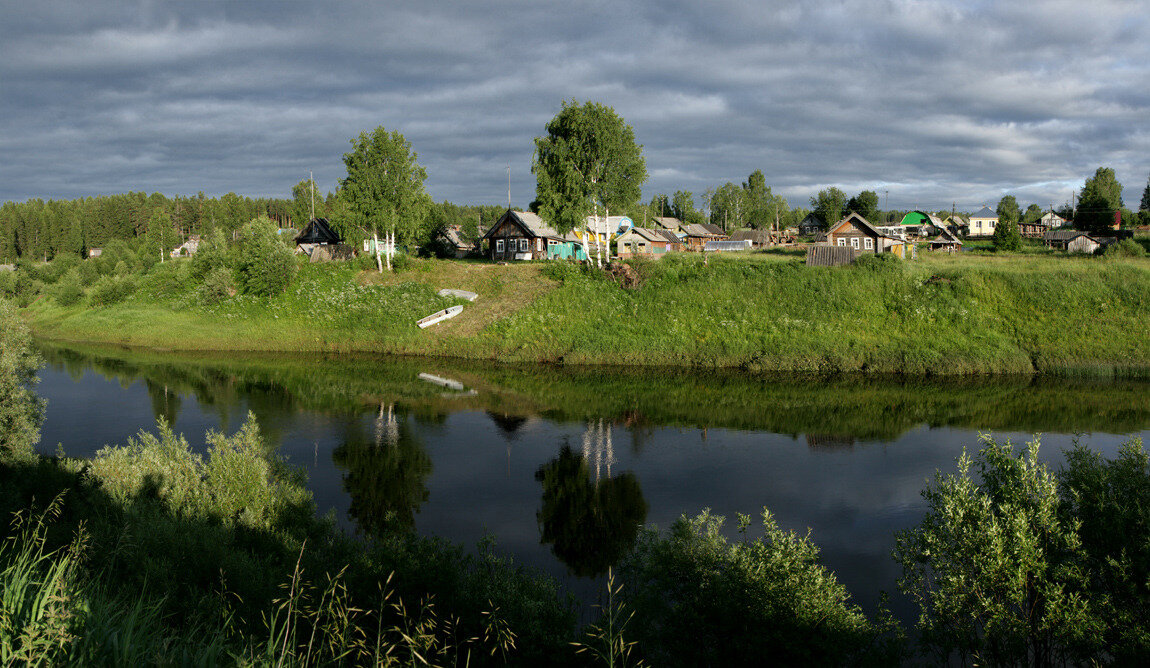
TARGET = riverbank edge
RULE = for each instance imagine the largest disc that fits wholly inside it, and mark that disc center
(1105, 369)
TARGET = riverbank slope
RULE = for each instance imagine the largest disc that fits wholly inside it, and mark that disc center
(970, 314)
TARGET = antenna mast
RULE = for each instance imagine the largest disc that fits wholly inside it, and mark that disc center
(508, 187)
(311, 183)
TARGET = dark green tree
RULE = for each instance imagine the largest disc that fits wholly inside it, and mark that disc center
(1006, 236)
(1033, 213)
(306, 197)
(865, 204)
(828, 205)
(588, 161)
(683, 207)
(1101, 197)
(265, 264)
(1008, 210)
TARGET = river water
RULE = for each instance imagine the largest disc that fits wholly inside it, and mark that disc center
(561, 466)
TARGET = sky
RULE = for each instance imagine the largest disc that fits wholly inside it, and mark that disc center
(930, 104)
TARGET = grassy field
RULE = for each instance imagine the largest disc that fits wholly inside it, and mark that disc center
(974, 313)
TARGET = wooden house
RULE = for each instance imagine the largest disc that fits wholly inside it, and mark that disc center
(187, 248)
(758, 238)
(811, 225)
(857, 233)
(453, 241)
(946, 241)
(917, 224)
(317, 233)
(982, 223)
(667, 223)
(698, 234)
(645, 242)
(522, 235)
(1057, 239)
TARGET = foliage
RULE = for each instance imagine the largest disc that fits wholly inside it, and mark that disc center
(1101, 196)
(111, 290)
(217, 286)
(589, 158)
(995, 566)
(35, 587)
(211, 254)
(699, 600)
(1125, 248)
(828, 205)
(865, 204)
(1008, 210)
(1144, 205)
(69, 292)
(604, 640)
(21, 411)
(1006, 236)
(1111, 501)
(383, 190)
(265, 265)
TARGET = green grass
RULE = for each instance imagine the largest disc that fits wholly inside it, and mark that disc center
(971, 313)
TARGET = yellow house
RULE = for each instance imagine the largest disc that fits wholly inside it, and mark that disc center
(982, 223)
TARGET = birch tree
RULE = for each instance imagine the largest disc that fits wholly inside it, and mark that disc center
(589, 159)
(383, 192)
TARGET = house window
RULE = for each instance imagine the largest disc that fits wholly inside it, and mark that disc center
(855, 243)
(523, 245)
(842, 241)
(868, 243)
(498, 245)
(539, 244)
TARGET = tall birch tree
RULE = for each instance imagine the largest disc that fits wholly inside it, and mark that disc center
(588, 160)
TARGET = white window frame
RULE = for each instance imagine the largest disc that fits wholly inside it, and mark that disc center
(539, 243)
(498, 245)
(868, 243)
(523, 247)
(842, 241)
(855, 243)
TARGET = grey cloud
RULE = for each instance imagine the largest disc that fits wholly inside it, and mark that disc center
(937, 102)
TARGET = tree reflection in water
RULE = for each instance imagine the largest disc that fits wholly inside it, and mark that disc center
(386, 475)
(590, 521)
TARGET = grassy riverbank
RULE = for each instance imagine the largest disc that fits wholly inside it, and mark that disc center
(966, 314)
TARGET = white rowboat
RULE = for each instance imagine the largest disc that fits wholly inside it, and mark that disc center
(439, 316)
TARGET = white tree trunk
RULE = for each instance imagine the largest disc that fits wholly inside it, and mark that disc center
(375, 249)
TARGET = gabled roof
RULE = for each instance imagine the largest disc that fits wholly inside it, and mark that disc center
(945, 236)
(984, 212)
(703, 230)
(864, 224)
(1062, 235)
(531, 223)
(318, 231)
(669, 222)
(713, 229)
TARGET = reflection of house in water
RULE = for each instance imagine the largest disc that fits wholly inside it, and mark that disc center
(509, 425)
(829, 441)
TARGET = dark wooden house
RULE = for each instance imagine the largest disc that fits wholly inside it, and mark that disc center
(521, 235)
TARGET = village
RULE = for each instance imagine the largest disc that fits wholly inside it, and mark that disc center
(524, 236)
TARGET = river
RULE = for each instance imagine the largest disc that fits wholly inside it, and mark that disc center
(561, 466)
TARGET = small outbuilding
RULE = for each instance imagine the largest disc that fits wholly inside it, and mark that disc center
(758, 238)
(317, 233)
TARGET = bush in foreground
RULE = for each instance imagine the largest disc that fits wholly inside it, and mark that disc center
(699, 600)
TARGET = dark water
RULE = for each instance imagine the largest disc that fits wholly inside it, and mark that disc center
(561, 466)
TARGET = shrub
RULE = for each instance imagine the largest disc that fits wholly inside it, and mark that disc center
(88, 272)
(1007, 237)
(167, 280)
(1111, 500)
(1125, 248)
(112, 290)
(217, 286)
(21, 411)
(211, 254)
(699, 600)
(265, 265)
(995, 567)
(69, 293)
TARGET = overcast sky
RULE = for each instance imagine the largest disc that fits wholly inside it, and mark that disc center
(936, 102)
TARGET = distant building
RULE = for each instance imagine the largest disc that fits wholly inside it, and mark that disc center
(982, 223)
(187, 248)
(857, 233)
(811, 225)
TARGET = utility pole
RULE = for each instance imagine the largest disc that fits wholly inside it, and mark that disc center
(508, 187)
(311, 183)
(886, 206)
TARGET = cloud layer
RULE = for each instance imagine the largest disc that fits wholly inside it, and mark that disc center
(936, 102)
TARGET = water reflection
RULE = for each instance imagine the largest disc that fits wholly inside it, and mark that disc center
(589, 517)
(386, 474)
